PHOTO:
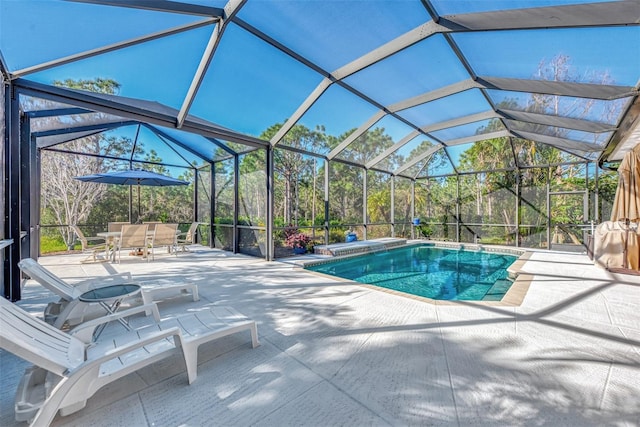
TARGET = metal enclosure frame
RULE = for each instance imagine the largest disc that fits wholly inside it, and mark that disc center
(20, 153)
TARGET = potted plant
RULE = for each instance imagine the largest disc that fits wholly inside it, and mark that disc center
(300, 242)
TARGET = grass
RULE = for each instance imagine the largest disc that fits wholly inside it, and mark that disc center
(53, 244)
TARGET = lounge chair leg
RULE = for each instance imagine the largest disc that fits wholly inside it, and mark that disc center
(147, 299)
(191, 360)
(254, 336)
(44, 417)
(194, 293)
(50, 407)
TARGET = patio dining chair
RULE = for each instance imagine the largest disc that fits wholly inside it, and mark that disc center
(164, 235)
(133, 236)
(116, 226)
(91, 245)
(152, 224)
(69, 368)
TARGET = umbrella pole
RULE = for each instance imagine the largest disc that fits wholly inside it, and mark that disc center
(139, 217)
(130, 205)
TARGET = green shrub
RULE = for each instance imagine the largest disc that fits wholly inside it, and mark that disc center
(426, 230)
(337, 235)
(493, 240)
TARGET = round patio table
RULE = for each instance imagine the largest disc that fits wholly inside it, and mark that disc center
(110, 298)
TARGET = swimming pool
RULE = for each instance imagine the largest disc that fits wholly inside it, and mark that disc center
(429, 271)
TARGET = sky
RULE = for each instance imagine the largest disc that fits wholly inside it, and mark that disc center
(250, 85)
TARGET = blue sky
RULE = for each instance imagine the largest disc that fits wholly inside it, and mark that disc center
(251, 85)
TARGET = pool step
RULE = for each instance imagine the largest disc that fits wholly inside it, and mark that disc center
(359, 246)
(473, 293)
(497, 291)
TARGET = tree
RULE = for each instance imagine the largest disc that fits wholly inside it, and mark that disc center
(223, 193)
(70, 201)
(251, 185)
(425, 204)
(293, 170)
(346, 182)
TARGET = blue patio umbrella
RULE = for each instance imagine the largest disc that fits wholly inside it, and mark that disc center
(133, 177)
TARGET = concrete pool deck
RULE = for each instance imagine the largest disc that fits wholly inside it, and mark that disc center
(338, 353)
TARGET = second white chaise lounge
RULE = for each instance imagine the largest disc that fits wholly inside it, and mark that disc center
(70, 311)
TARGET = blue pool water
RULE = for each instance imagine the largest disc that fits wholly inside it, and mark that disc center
(428, 271)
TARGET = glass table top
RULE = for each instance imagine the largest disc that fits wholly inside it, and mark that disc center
(110, 292)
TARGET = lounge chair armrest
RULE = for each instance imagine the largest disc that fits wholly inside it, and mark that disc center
(91, 368)
(152, 337)
(84, 331)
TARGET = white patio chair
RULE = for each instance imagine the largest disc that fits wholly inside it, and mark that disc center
(70, 311)
(91, 245)
(188, 237)
(69, 368)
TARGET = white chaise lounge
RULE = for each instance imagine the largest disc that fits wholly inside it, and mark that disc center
(69, 369)
(69, 310)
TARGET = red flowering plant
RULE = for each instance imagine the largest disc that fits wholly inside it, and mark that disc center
(298, 240)
(295, 239)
